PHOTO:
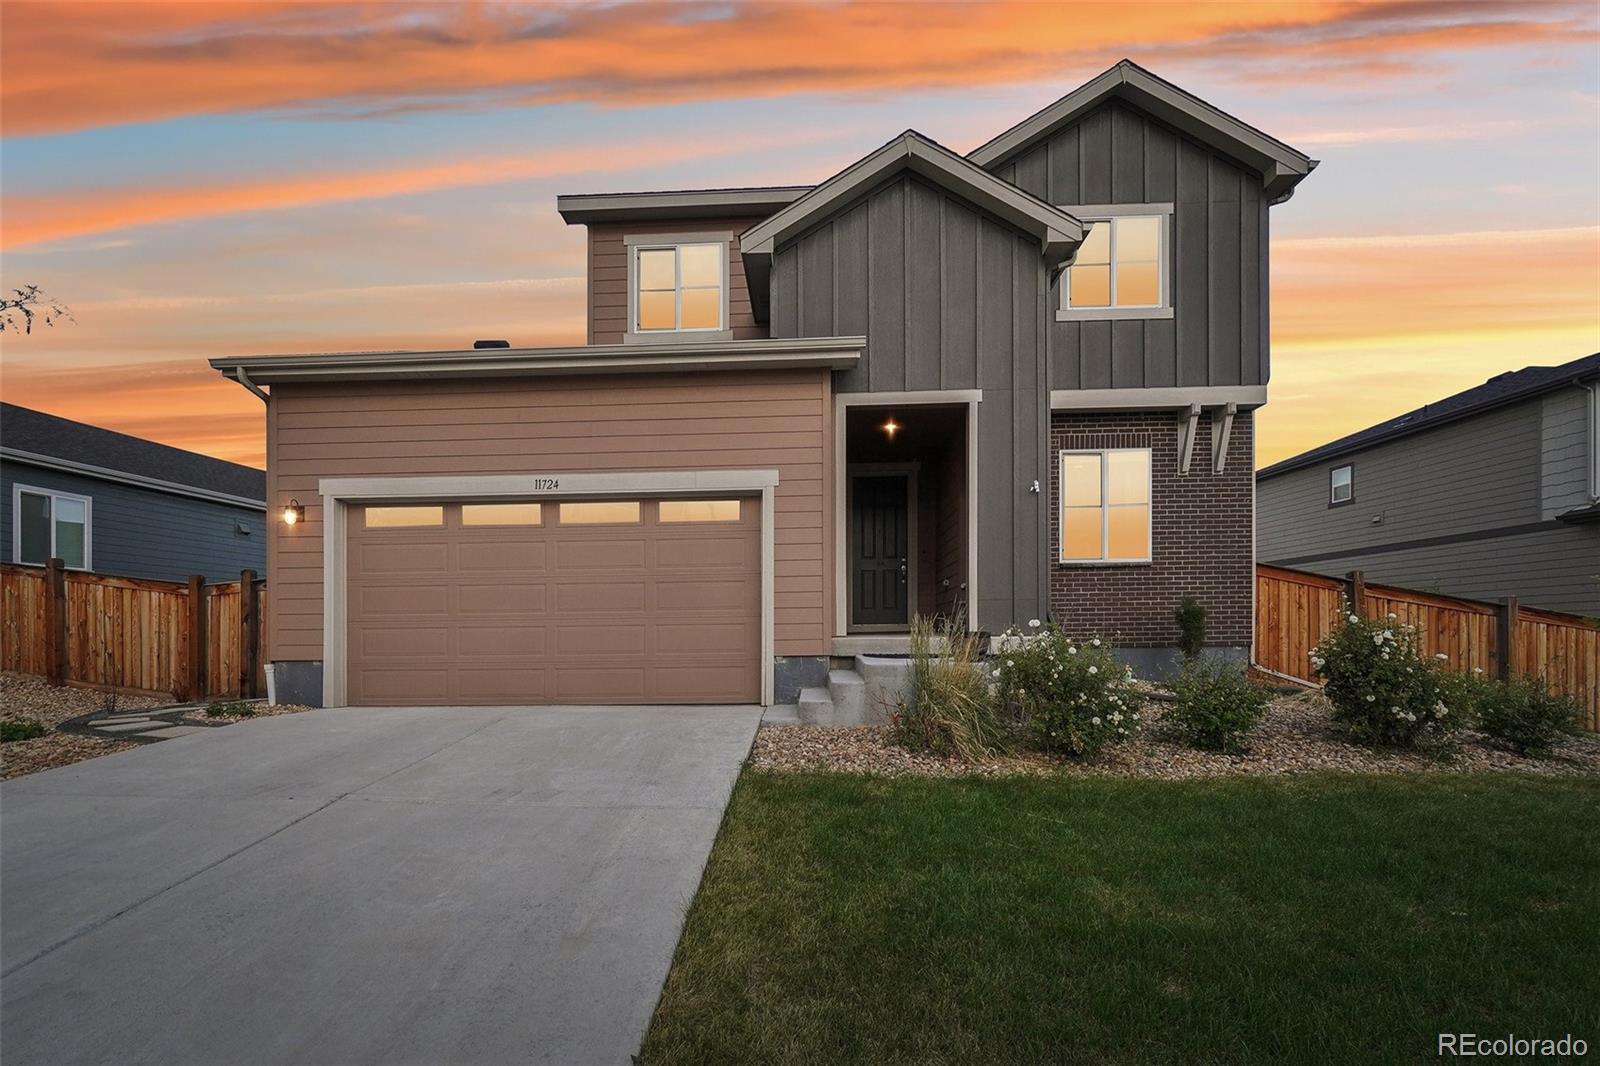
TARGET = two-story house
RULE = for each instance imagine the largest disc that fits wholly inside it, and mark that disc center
(1002, 386)
(1489, 493)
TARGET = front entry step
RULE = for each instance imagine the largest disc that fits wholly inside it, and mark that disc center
(815, 707)
(867, 695)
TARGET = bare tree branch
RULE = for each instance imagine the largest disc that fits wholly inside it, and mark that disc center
(19, 309)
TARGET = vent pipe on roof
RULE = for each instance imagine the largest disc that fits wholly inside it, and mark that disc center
(490, 344)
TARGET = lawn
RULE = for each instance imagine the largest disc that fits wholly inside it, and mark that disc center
(1331, 918)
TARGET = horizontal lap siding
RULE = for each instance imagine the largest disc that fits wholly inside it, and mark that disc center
(773, 419)
(608, 275)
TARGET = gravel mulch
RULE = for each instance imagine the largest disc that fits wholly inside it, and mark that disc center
(263, 709)
(29, 696)
(52, 750)
(1296, 736)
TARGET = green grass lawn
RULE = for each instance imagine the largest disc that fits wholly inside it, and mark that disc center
(1322, 919)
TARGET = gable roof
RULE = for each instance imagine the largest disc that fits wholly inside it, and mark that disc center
(1511, 387)
(44, 439)
(1280, 166)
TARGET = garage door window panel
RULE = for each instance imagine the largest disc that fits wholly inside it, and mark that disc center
(502, 514)
(601, 512)
(403, 517)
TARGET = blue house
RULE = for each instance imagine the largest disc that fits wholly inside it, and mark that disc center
(117, 504)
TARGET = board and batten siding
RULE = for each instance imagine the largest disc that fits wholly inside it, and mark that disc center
(748, 420)
(948, 297)
(142, 533)
(608, 274)
(1217, 334)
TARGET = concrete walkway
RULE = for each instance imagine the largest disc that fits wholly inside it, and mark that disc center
(419, 885)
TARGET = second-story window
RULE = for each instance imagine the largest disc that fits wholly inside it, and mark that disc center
(679, 287)
(1341, 485)
(1121, 269)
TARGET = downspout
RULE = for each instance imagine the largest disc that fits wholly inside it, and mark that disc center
(243, 378)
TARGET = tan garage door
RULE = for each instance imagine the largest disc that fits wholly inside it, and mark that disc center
(603, 601)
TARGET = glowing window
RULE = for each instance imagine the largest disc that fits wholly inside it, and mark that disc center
(403, 517)
(1105, 505)
(699, 510)
(678, 287)
(1121, 263)
(599, 512)
(501, 514)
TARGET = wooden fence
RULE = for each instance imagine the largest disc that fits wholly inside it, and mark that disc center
(188, 640)
(1296, 609)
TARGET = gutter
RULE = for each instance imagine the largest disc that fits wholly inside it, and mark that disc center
(101, 473)
(243, 378)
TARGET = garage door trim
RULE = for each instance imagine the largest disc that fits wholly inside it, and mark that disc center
(339, 493)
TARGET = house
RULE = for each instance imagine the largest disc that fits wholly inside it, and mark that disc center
(1002, 386)
(1489, 493)
(121, 505)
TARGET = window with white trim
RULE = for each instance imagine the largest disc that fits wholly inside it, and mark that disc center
(679, 287)
(1121, 266)
(1105, 506)
(1341, 484)
(51, 525)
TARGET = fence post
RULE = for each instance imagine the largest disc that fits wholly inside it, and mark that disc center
(250, 639)
(197, 637)
(1356, 592)
(1506, 646)
(55, 621)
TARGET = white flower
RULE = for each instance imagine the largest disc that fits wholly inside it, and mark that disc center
(1094, 669)
(1377, 638)
(1477, 669)
(1033, 623)
(1372, 699)
(1010, 663)
(1095, 642)
(1354, 618)
(1094, 721)
(1392, 615)
(1443, 711)
(1071, 650)
(1442, 657)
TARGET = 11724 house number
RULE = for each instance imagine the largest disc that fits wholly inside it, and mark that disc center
(545, 484)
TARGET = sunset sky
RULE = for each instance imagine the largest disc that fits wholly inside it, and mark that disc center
(214, 179)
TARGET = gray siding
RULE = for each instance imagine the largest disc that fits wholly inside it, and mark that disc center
(948, 298)
(1473, 478)
(142, 533)
(1565, 451)
(1218, 332)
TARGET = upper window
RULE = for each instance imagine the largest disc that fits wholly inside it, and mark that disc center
(679, 287)
(1341, 484)
(1105, 506)
(51, 525)
(1121, 269)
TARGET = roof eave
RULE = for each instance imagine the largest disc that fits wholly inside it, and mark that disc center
(585, 208)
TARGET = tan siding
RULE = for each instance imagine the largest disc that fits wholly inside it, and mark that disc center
(658, 422)
(608, 275)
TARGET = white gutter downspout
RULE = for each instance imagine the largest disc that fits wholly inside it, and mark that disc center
(243, 378)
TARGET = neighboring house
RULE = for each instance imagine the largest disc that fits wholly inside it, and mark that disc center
(1492, 492)
(803, 414)
(117, 504)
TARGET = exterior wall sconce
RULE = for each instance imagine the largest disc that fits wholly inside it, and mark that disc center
(890, 428)
(294, 514)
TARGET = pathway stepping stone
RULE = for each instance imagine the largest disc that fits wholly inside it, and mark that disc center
(126, 727)
(176, 731)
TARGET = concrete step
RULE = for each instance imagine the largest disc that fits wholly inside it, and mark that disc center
(815, 707)
(781, 714)
(886, 683)
(849, 694)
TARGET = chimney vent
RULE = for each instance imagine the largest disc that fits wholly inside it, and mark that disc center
(490, 344)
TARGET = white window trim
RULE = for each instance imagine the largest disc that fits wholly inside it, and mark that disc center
(1105, 509)
(1091, 213)
(1334, 501)
(17, 489)
(659, 241)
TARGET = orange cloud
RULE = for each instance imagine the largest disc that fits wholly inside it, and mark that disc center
(75, 65)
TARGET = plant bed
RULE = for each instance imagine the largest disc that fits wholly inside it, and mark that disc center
(57, 708)
(1296, 736)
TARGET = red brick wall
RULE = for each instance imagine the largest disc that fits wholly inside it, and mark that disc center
(1202, 541)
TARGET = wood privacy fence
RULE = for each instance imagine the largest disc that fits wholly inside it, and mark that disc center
(189, 640)
(1296, 609)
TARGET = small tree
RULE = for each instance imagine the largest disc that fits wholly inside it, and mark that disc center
(1191, 619)
(21, 306)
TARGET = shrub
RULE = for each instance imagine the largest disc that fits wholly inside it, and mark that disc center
(20, 729)
(1383, 690)
(1071, 697)
(950, 709)
(1524, 714)
(231, 708)
(1217, 705)
(1191, 619)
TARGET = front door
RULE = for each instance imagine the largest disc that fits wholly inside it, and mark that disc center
(879, 551)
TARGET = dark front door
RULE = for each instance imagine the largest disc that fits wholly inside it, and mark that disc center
(879, 550)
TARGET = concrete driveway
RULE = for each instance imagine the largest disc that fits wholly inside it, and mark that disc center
(416, 885)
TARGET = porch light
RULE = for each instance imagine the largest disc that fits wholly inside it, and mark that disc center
(890, 428)
(294, 514)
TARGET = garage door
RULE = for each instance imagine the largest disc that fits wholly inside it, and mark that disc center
(598, 601)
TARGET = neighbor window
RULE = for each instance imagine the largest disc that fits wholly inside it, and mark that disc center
(678, 287)
(1121, 267)
(1342, 485)
(404, 517)
(500, 514)
(51, 525)
(699, 510)
(1105, 506)
(599, 512)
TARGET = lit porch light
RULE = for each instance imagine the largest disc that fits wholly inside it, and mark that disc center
(295, 513)
(890, 428)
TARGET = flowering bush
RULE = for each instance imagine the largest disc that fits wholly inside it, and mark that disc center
(1384, 691)
(1072, 697)
(1522, 713)
(1217, 704)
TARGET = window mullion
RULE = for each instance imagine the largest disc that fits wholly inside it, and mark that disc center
(1111, 265)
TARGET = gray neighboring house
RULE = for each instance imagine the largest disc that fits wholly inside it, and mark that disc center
(116, 504)
(1492, 492)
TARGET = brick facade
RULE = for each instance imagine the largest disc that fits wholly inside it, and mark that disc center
(1202, 537)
